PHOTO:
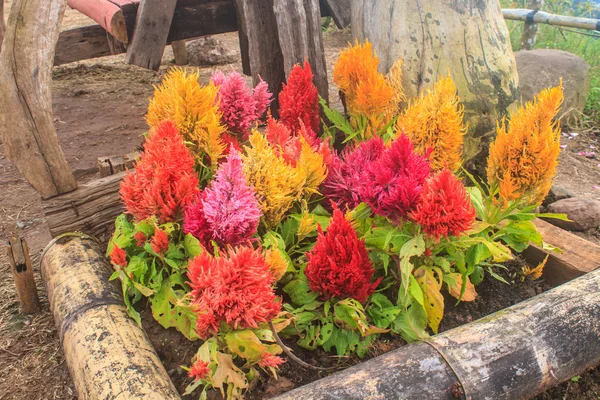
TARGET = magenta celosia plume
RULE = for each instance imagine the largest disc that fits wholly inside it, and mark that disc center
(393, 183)
(445, 208)
(235, 288)
(240, 105)
(164, 182)
(227, 211)
(346, 173)
(299, 100)
(339, 266)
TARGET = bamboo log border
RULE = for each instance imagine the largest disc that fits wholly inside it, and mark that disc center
(541, 17)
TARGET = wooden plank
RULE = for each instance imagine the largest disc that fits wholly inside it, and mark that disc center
(541, 17)
(300, 38)
(91, 209)
(179, 52)
(81, 44)
(194, 19)
(115, 164)
(151, 31)
(579, 256)
(339, 10)
(26, 121)
(22, 271)
(108, 15)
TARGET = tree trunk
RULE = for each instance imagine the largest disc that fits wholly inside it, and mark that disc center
(530, 28)
(26, 121)
(469, 38)
(2, 26)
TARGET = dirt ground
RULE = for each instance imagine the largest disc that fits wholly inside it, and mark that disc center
(99, 108)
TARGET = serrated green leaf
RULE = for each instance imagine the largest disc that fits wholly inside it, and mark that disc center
(192, 246)
(299, 292)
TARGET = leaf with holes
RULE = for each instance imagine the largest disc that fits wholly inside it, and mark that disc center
(169, 309)
(434, 301)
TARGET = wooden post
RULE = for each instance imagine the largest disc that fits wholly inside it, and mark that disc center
(180, 52)
(22, 271)
(26, 121)
(151, 31)
(339, 10)
(2, 26)
(530, 28)
(467, 38)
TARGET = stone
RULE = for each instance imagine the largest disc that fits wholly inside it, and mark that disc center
(207, 51)
(543, 68)
(584, 213)
(557, 193)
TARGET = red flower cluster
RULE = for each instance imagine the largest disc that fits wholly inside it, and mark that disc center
(199, 370)
(140, 239)
(160, 242)
(235, 288)
(269, 360)
(444, 208)
(339, 266)
(299, 100)
(288, 143)
(118, 256)
(346, 173)
(393, 182)
(195, 222)
(164, 181)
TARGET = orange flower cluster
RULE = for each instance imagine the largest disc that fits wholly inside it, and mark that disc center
(368, 92)
(194, 109)
(523, 158)
(434, 124)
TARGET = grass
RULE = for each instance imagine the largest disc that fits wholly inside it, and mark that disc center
(575, 41)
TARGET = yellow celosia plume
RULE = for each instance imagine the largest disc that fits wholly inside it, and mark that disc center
(277, 264)
(181, 99)
(310, 165)
(394, 77)
(523, 158)
(434, 122)
(277, 183)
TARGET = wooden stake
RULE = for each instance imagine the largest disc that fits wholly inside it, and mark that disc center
(180, 52)
(530, 28)
(20, 266)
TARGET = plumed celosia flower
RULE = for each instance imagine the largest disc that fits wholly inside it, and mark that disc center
(231, 142)
(195, 223)
(339, 266)
(394, 77)
(445, 208)
(118, 256)
(345, 176)
(164, 182)
(356, 64)
(235, 289)
(299, 100)
(393, 183)
(523, 158)
(160, 242)
(277, 183)
(311, 166)
(140, 239)
(282, 139)
(199, 370)
(194, 109)
(230, 205)
(240, 105)
(270, 360)
(434, 123)
(375, 99)
(276, 263)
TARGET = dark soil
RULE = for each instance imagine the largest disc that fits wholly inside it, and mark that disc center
(175, 351)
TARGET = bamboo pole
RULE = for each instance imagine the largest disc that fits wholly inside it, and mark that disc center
(530, 28)
(512, 354)
(542, 17)
(108, 354)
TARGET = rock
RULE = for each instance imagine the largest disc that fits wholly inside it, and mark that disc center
(543, 68)
(582, 211)
(279, 386)
(557, 193)
(209, 51)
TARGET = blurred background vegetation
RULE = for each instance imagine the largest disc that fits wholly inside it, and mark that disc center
(583, 43)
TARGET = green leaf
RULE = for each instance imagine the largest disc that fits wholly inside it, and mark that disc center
(411, 323)
(245, 344)
(192, 246)
(147, 226)
(477, 200)
(168, 308)
(338, 120)
(477, 275)
(562, 217)
(299, 292)
(382, 311)
(415, 291)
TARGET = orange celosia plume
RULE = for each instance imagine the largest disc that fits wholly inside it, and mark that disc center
(434, 123)
(523, 158)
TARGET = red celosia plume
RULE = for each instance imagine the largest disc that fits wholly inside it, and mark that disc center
(164, 182)
(444, 208)
(195, 222)
(235, 288)
(339, 266)
(299, 100)
(199, 370)
(393, 183)
(160, 242)
(118, 256)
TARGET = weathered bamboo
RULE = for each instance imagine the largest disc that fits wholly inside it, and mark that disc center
(108, 354)
(541, 17)
(530, 28)
(512, 354)
(26, 122)
(22, 271)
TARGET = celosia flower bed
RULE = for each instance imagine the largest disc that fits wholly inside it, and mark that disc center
(238, 236)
